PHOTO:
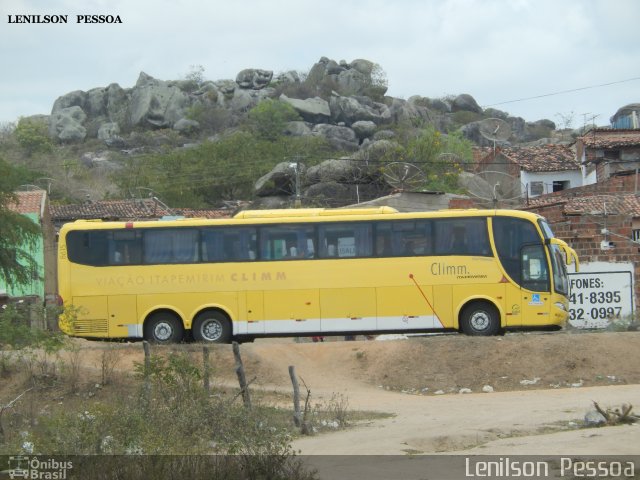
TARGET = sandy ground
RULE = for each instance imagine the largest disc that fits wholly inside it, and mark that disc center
(401, 377)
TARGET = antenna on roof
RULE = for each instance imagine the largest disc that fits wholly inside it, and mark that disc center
(495, 130)
(586, 118)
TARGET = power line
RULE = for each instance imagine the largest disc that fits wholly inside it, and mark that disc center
(562, 92)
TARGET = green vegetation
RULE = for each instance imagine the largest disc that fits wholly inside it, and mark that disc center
(227, 169)
(441, 157)
(33, 136)
(269, 118)
(17, 232)
(161, 420)
(17, 333)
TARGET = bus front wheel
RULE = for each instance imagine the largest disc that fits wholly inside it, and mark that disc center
(480, 318)
(163, 328)
(212, 327)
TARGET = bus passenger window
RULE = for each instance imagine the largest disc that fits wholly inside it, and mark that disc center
(459, 241)
(345, 240)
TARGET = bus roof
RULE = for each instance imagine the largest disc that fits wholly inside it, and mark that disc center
(314, 215)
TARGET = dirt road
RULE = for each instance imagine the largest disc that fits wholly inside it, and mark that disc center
(542, 383)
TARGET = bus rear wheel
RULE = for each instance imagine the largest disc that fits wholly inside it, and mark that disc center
(211, 327)
(480, 319)
(163, 328)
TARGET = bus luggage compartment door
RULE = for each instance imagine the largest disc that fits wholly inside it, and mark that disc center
(123, 317)
(255, 312)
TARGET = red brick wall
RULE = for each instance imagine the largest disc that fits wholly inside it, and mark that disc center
(584, 232)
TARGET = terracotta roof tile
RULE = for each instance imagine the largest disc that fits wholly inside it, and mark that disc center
(590, 204)
(611, 138)
(29, 202)
(543, 158)
(126, 210)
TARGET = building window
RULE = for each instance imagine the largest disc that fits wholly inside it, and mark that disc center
(537, 188)
(560, 185)
(635, 235)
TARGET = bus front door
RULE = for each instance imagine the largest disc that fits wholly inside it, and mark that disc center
(536, 286)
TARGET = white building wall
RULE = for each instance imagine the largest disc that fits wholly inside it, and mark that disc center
(574, 177)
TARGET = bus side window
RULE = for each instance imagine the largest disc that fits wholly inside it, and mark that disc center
(287, 242)
(126, 247)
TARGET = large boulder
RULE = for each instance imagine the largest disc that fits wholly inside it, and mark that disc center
(465, 102)
(254, 78)
(314, 110)
(244, 100)
(377, 150)
(355, 78)
(342, 138)
(352, 109)
(290, 76)
(334, 170)
(66, 124)
(117, 101)
(297, 128)
(156, 104)
(108, 131)
(281, 180)
(407, 112)
(364, 128)
(76, 98)
(329, 193)
(437, 104)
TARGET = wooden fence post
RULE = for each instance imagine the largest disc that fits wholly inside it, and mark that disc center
(296, 396)
(205, 374)
(242, 379)
(147, 371)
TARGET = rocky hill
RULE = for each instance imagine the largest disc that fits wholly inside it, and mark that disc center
(344, 102)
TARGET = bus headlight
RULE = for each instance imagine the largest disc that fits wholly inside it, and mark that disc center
(561, 306)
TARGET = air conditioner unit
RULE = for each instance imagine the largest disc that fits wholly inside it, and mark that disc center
(606, 245)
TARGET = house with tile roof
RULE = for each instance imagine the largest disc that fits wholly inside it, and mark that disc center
(608, 152)
(34, 204)
(127, 210)
(540, 169)
(601, 221)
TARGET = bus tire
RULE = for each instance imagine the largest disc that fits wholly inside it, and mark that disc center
(211, 327)
(480, 319)
(163, 328)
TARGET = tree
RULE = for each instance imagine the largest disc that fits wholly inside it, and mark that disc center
(33, 137)
(441, 157)
(269, 117)
(17, 232)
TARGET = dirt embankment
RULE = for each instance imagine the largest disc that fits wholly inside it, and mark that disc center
(426, 365)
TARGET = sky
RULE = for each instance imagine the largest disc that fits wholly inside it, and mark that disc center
(570, 61)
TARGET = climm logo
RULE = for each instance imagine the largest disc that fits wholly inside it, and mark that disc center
(441, 268)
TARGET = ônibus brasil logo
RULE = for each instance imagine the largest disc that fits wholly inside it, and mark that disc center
(21, 466)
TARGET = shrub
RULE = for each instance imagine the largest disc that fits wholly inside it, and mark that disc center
(269, 117)
(169, 413)
(33, 136)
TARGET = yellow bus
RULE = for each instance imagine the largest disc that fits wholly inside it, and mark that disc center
(308, 272)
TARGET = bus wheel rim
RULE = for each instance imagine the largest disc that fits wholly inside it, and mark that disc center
(211, 330)
(163, 331)
(480, 321)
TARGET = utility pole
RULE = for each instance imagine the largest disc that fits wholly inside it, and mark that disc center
(296, 168)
